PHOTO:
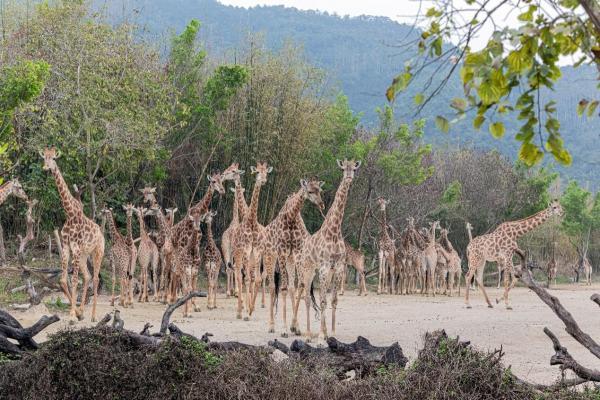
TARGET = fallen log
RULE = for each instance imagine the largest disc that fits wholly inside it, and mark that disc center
(10, 328)
(171, 308)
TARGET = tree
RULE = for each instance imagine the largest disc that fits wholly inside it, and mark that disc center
(582, 216)
(508, 77)
(393, 155)
(105, 102)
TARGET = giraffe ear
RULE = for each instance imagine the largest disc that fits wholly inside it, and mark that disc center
(210, 179)
(232, 189)
(269, 170)
(241, 172)
(339, 163)
(321, 183)
(253, 169)
(213, 213)
(41, 152)
(303, 183)
(357, 164)
(124, 207)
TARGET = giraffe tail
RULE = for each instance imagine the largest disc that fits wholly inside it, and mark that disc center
(277, 282)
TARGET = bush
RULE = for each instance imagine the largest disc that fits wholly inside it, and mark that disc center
(102, 363)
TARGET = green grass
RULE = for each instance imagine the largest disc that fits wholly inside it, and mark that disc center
(8, 282)
(57, 305)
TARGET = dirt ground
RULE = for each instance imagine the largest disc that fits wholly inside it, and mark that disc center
(385, 319)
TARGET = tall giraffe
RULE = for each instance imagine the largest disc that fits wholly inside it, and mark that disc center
(245, 243)
(165, 245)
(281, 241)
(325, 252)
(121, 260)
(454, 263)
(147, 257)
(81, 237)
(212, 261)
(239, 208)
(12, 187)
(387, 253)
(500, 246)
(128, 208)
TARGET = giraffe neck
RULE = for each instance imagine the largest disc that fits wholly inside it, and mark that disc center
(242, 207)
(523, 226)
(432, 235)
(143, 233)
(204, 204)
(384, 227)
(209, 234)
(446, 243)
(470, 235)
(163, 225)
(335, 215)
(250, 217)
(5, 191)
(70, 204)
(295, 204)
(129, 238)
(115, 235)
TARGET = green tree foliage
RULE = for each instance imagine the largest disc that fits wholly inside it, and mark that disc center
(507, 76)
(582, 216)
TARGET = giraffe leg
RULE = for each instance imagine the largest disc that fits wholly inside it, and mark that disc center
(114, 282)
(64, 264)
(334, 298)
(343, 283)
(248, 295)
(380, 284)
(97, 255)
(74, 281)
(325, 277)
(86, 282)
(308, 333)
(507, 277)
(272, 302)
(238, 281)
(284, 287)
(479, 278)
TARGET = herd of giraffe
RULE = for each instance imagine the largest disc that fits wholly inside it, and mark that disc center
(170, 261)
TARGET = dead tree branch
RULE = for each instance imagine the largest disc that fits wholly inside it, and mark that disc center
(170, 309)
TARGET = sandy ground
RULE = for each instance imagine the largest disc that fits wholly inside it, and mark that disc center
(385, 319)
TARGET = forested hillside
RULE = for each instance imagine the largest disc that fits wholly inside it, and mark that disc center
(360, 56)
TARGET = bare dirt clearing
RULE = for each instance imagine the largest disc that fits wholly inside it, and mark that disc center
(385, 319)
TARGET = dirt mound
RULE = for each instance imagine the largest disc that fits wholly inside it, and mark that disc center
(103, 363)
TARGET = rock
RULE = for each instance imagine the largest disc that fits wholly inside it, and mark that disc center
(278, 356)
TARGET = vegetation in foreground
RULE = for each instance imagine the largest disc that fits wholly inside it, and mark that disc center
(104, 363)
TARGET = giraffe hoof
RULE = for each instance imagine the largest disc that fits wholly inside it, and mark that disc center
(271, 330)
(469, 306)
(508, 307)
(284, 335)
(490, 306)
(246, 318)
(262, 306)
(238, 316)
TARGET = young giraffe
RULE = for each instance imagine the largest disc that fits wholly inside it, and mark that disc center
(453, 265)
(499, 246)
(325, 252)
(430, 259)
(245, 244)
(239, 208)
(132, 252)
(165, 246)
(12, 187)
(387, 253)
(147, 257)
(212, 261)
(121, 260)
(185, 268)
(356, 259)
(81, 237)
(281, 241)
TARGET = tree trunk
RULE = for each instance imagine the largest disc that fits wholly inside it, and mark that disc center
(2, 248)
(362, 224)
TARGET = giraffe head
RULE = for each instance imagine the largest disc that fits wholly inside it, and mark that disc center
(232, 172)
(107, 211)
(349, 167)
(312, 191)
(382, 203)
(261, 170)
(50, 154)
(149, 194)
(555, 208)
(17, 189)
(216, 182)
(443, 233)
(129, 208)
(208, 217)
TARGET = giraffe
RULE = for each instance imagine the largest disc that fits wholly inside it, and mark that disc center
(13, 187)
(454, 263)
(281, 241)
(415, 244)
(147, 257)
(245, 243)
(587, 270)
(499, 246)
(121, 260)
(387, 253)
(355, 258)
(325, 252)
(239, 208)
(186, 260)
(165, 246)
(128, 208)
(81, 237)
(430, 260)
(212, 261)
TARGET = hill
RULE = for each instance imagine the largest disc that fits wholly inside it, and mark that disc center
(360, 56)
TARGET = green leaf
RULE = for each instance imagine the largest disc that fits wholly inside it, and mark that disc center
(497, 129)
(459, 104)
(437, 46)
(419, 98)
(592, 108)
(399, 83)
(581, 106)
(478, 121)
(488, 92)
(528, 15)
(442, 124)
(530, 154)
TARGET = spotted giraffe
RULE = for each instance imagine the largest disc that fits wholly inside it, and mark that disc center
(500, 246)
(12, 187)
(121, 260)
(212, 261)
(325, 252)
(81, 238)
(147, 258)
